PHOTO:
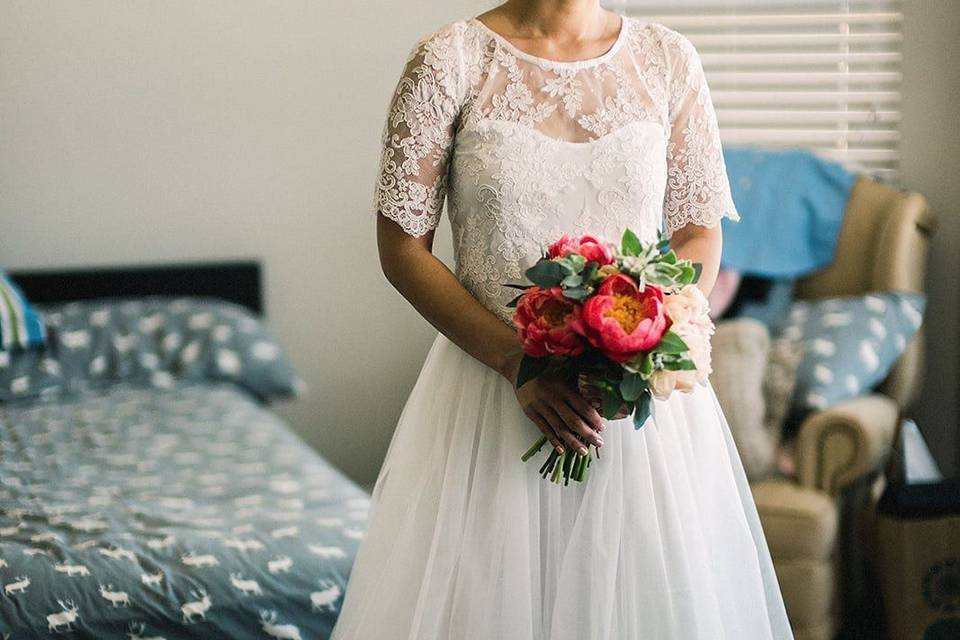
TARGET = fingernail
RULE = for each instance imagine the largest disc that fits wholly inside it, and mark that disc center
(599, 442)
(559, 449)
(583, 451)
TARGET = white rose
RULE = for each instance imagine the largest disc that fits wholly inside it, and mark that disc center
(662, 382)
(687, 305)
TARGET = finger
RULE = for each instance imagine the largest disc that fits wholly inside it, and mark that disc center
(576, 424)
(545, 429)
(585, 410)
(560, 426)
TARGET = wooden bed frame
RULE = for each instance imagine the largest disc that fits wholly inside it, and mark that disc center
(234, 281)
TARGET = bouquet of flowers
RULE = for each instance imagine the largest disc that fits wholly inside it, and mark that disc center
(625, 323)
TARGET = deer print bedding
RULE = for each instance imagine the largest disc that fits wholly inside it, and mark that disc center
(178, 513)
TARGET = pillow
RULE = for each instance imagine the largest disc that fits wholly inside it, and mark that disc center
(849, 344)
(740, 349)
(20, 326)
(157, 340)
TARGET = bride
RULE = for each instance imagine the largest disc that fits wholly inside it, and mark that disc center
(538, 118)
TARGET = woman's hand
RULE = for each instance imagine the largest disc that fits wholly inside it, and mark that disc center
(560, 412)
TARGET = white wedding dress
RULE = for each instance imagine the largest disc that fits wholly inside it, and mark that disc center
(465, 542)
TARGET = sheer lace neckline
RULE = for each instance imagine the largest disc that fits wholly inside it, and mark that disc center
(557, 64)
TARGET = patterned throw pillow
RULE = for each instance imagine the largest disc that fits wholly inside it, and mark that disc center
(849, 343)
(20, 325)
(151, 341)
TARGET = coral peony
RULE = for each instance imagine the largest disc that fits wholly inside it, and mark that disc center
(544, 320)
(622, 320)
(589, 247)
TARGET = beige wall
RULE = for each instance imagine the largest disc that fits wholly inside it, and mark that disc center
(158, 131)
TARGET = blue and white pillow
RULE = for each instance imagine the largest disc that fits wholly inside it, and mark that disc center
(849, 343)
(20, 325)
(153, 341)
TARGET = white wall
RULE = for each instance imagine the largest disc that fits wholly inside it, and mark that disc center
(166, 130)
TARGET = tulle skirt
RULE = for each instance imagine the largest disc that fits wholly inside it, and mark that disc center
(466, 542)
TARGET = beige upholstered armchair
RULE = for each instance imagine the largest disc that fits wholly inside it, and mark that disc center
(813, 524)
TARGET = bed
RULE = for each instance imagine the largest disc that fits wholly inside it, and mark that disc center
(149, 497)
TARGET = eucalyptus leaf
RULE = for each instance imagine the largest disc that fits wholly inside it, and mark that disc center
(578, 293)
(521, 287)
(572, 280)
(546, 274)
(610, 403)
(641, 411)
(632, 386)
(513, 303)
(698, 269)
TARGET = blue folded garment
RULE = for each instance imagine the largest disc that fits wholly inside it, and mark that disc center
(791, 203)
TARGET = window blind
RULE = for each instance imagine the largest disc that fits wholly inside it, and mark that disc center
(822, 74)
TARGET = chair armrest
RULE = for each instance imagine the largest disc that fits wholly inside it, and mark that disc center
(845, 442)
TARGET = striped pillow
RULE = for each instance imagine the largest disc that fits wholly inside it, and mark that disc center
(20, 325)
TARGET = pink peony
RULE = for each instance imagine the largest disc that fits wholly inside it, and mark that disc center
(544, 320)
(621, 320)
(589, 247)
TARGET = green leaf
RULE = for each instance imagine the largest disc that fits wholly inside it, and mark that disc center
(672, 343)
(610, 403)
(669, 257)
(646, 367)
(631, 243)
(578, 293)
(521, 287)
(632, 386)
(513, 303)
(530, 368)
(642, 411)
(697, 269)
(572, 280)
(574, 261)
(590, 271)
(679, 364)
(546, 274)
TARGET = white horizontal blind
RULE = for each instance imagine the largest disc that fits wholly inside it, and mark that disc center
(822, 74)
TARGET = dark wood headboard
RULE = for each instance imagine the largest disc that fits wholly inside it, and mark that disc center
(235, 281)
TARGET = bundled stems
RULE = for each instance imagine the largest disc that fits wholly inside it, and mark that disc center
(562, 467)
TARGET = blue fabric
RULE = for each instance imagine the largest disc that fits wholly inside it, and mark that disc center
(131, 503)
(849, 343)
(20, 325)
(791, 204)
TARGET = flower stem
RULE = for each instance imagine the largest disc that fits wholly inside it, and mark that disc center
(534, 449)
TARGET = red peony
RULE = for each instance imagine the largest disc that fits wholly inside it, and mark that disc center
(544, 320)
(621, 320)
(589, 247)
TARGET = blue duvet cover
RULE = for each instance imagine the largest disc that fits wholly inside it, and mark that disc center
(190, 512)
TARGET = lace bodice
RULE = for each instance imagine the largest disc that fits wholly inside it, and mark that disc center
(524, 149)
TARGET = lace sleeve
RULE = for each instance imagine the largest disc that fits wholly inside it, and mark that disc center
(418, 136)
(698, 190)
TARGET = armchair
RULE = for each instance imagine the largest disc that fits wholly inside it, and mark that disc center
(813, 522)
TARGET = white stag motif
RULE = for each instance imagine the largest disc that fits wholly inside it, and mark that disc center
(285, 532)
(243, 545)
(326, 552)
(35, 552)
(152, 579)
(71, 569)
(57, 622)
(194, 560)
(268, 620)
(161, 543)
(280, 564)
(46, 536)
(11, 531)
(325, 598)
(19, 586)
(118, 554)
(198, 607)
(246, 587)
(3, 563)
(136, 630)
(116, 598)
